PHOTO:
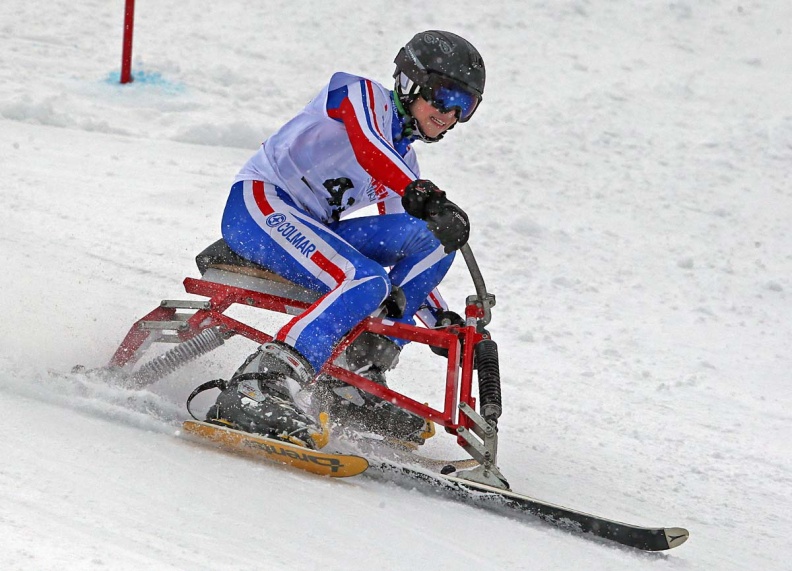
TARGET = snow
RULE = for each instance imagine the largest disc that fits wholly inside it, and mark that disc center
(628, 182)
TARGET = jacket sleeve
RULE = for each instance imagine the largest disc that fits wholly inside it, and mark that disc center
(364, 108)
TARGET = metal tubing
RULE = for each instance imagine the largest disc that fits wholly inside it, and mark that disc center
(485, 300)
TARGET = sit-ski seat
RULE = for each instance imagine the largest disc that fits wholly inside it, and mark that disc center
(220, 264)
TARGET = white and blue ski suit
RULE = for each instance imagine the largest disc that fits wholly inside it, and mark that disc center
(288, 209)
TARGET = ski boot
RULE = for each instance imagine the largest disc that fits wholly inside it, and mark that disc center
(259, 398)
(370, 356)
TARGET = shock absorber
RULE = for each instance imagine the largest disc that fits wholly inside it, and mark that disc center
(486, 354)
(207, 340)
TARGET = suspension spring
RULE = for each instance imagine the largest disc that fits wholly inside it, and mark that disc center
(207, 340)
(489, 379)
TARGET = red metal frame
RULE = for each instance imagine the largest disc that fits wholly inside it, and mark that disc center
(459, 342)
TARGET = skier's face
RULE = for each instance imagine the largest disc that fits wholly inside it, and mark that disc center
(431, 121)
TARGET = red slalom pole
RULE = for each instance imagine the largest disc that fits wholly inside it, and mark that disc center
(126, 56)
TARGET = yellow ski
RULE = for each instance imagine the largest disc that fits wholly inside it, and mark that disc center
(324, 464)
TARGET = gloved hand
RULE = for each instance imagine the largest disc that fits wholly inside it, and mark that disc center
(417, 194)
(447, 221)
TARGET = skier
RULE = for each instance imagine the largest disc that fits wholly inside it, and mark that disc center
(349, 148)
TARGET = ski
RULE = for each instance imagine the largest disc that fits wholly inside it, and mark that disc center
(374, 447)
(314, 461)
(510, 503)
(428, 477)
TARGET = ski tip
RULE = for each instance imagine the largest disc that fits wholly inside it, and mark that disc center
(676, 536)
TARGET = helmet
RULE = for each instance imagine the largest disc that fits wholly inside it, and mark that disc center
(443, 68)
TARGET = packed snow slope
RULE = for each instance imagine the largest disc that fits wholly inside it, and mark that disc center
(628, 182)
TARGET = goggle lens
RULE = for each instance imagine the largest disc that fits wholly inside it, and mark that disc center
(444, 98)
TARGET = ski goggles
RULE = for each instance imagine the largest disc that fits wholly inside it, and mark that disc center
(446, 95)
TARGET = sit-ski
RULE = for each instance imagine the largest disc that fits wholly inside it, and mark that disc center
(198, 327)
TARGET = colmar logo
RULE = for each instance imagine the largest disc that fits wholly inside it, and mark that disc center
(291, 234)
(275, 219)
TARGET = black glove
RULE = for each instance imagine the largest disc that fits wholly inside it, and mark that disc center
(417, 194)
(449, 223)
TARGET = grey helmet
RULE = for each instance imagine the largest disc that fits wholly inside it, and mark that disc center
(443, 68)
